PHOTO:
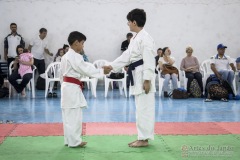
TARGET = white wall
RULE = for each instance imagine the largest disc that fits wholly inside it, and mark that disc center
(174, 23)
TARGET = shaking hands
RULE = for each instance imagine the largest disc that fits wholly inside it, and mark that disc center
(107, 69)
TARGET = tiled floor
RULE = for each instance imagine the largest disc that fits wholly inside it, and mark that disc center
(117, 108)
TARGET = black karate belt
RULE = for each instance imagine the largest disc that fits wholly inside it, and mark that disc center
(131, 68)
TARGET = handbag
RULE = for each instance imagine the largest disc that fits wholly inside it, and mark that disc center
(169, 69)
(179, 93)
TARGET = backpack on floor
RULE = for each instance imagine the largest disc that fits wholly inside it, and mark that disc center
(212, 79)
(217, 91)
(179, 93)
(195, 89)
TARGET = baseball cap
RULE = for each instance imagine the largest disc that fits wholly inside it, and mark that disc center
(221, 46)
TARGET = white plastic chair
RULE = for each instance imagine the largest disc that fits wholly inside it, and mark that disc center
(161, 80)
(121, 82)
(206, 69)
(31, 82)
(92, 81)
(52, 74)
(99, 64)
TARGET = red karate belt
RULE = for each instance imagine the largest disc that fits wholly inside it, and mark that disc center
(73, 80)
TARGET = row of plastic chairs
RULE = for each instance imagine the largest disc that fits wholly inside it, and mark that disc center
(52, 75)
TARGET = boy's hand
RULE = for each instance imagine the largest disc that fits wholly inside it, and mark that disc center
(107, 69)
(146, 86)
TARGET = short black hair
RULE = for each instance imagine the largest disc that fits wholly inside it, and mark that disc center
(19, 46)
(138, 15)
(76, 36)
(159, 49)
(65, 46)
(129, 35)
(13, 24)
(42, 30)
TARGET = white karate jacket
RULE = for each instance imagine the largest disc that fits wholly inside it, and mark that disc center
(73, 65)
(142, 46)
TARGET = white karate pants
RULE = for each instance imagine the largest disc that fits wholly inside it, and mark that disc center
(145, 115)
(72, 126)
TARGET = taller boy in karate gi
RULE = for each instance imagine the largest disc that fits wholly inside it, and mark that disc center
(140, 58)
(72, 69)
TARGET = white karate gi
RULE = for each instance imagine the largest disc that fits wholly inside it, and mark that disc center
(72, 98)
(142, 46)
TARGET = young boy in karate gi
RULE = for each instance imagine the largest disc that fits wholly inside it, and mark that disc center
(140, 56)
(72, 69)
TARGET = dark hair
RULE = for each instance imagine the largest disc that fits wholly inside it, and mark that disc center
(159, 49)
(129, 35)
(42, 30)
(13, 24)
(164, 49)
(58, 53)
(65, 46)
(76, 36)
(19, 46)
(138, 15)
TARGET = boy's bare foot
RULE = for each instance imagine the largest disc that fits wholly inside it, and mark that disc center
(139, 143)
(80, 145)
(132, 142)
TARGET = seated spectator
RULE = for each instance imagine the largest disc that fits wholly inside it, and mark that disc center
(166, 59)
(125, 43)
(24, 60)
(159, 54)
(220, 65)
(190, 65)
(238, 68)
(59, 55)
(65, 48)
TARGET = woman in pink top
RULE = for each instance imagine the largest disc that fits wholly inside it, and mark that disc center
(191, 66)
(22, 70)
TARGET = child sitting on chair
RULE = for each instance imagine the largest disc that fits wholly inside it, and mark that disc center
(24, 60)
(59, 55)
